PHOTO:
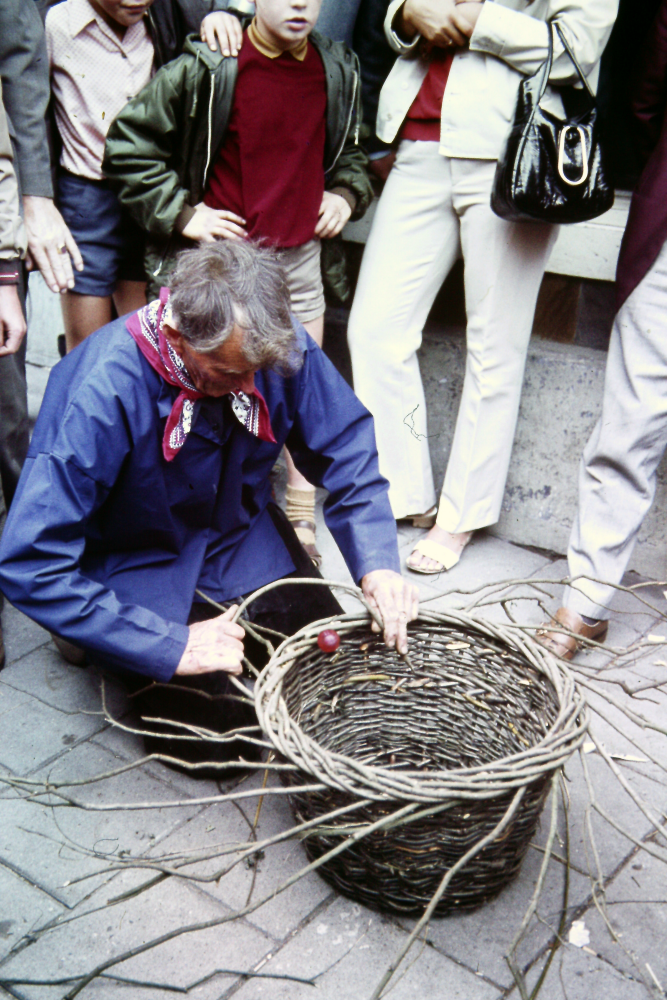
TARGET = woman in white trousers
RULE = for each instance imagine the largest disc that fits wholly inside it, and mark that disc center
(435, 207)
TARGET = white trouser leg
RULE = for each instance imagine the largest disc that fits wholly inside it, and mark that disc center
(413, 244)
(504, 265)
(617, 475)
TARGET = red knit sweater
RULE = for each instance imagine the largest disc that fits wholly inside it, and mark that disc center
(270, 169)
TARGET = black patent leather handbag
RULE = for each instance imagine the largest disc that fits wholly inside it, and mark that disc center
(552, 170)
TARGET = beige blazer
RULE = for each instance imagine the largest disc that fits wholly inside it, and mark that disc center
(510, 39)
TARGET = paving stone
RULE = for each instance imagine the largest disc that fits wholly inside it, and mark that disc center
(46, 675)
(20, 634)
(129, 746)
(23, 908)
(637, 909)
(612, 846)
(34, 732)
(625, 603)
(253, 878)
(576, 975)
(481, 939)
(347, 949)
(53, 847)
(79, 947)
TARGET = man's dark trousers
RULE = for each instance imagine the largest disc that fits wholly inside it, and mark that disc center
(210, 701)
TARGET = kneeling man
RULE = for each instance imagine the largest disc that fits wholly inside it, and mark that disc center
(147, 480)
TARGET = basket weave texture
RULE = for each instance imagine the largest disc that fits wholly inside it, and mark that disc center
(474, 712)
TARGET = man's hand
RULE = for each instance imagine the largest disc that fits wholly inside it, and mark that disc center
(214, 645)
(434, 20)
(12, 320)
(220, 28)
(51, 246)
(210, 224)
(396, 599)
(334, 213)
(466, 14)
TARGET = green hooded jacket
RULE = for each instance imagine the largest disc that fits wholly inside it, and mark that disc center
(161, 147)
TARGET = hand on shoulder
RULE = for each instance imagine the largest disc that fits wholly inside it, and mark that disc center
(223, 30)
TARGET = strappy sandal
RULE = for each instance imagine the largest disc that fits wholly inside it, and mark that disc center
(305, 532)
(446, 558)
(433, 550)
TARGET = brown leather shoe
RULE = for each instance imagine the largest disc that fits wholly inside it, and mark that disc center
(565, 645)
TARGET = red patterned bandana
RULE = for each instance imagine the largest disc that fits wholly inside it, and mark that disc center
(146, 326)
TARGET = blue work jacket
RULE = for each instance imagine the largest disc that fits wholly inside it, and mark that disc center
(106, 541)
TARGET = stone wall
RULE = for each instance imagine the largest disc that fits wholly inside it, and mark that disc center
(560, 403)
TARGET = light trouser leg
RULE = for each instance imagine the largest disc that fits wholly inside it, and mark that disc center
(618, 471)
(504, 265)
(413, 244)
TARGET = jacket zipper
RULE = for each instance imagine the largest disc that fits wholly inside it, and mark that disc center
(347, 124)
(209, 137)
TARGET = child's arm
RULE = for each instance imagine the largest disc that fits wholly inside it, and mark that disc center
(349, 176)
(141, 146)
(335, 211)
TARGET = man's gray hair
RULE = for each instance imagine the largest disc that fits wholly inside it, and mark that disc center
(218, 285)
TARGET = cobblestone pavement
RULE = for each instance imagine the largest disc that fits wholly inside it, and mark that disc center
(64, 909)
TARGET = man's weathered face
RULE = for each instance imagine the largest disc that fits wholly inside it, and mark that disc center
(217, 372)
(286, 22)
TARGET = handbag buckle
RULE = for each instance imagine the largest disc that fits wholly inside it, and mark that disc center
(561, 155)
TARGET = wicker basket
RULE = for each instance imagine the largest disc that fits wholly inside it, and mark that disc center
(475, 712)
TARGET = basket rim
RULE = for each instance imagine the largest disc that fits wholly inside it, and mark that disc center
(339, 771)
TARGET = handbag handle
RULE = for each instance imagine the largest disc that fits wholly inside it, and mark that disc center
(542, 76)
(568, 48)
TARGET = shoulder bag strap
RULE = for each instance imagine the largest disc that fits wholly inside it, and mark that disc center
(568, 48)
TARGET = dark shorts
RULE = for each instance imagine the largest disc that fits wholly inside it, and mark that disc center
(111, 244)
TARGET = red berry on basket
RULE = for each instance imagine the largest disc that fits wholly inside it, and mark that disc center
(328, 640)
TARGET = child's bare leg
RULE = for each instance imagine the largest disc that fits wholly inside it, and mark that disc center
(82, 315)
(129, 296)
(300, 500)
(315, 327)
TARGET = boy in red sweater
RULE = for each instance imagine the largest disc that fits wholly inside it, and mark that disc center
(262, 146)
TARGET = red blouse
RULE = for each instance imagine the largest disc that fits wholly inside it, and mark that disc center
(422, 122)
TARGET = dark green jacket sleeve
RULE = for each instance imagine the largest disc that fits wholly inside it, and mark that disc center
(142, 147)
(24, 70)
(350, 172)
